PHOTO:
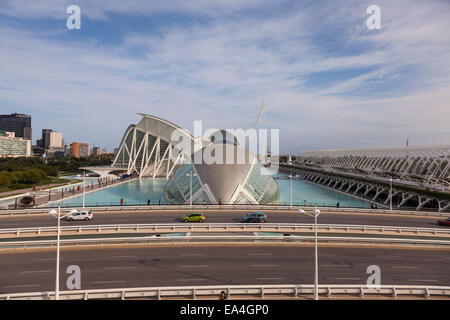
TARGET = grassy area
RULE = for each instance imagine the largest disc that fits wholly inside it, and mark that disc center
(60, 182)
(10, 195)
(23, 173)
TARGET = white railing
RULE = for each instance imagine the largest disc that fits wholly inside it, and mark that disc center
(238, 291)
(222, 227)
(225, 207)
(222, 239)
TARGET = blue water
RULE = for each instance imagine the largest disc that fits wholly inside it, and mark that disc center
(311, 194)
(133, 192)
(139, 191)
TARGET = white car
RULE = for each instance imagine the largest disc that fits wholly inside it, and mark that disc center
(79, 215)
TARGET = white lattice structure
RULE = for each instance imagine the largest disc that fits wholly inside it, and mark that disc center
(147, 148)
(421, 163)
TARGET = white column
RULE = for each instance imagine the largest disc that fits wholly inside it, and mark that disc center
(190, 189)
(57, 256)
(316, 268)
(290, 202)
(84, 185)
(390, 194)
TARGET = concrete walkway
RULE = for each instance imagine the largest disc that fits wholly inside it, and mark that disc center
(70, 191)
(27, 190)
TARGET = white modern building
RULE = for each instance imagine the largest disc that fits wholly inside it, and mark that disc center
(147, 148)
(152, 148)
(430, 164)
(13, 147)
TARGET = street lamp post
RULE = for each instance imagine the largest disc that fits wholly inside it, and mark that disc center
(53, 213)
(316, 213)
(84, 185)
(390, 193)
(191, 174)
(290, 176)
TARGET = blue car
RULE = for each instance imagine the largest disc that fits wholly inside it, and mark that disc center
(256, 216)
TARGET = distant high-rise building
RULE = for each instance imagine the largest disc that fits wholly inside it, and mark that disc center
(50, 139)
(11, 146)
(96, 151)
(18, 123)
(55, 140)
(51, 143)
(79, 149)
(68, 150)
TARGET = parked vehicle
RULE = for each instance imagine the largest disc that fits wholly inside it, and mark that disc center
(194, 217)
(79, 215)
(256, 216)
(444, 222)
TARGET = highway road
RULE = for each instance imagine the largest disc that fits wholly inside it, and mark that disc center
(223, 216)
(211, 265)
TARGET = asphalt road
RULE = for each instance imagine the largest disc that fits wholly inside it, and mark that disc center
(223, 216)
(224, 265)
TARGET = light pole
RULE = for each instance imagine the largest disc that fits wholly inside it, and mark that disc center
(290, 176)
(191, 174)
(316, 213)
(58, 216)
(84, 185)
(390, 193)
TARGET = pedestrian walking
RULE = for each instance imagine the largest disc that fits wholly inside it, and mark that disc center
(222, 296)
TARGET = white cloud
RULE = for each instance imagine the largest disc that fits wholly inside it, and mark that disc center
(218, 72)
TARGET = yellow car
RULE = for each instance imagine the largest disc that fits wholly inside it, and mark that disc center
(194, 217)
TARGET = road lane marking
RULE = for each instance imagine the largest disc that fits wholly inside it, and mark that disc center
(117, 268)
(37, 271)
(23, 286)
(48, 259)
(191, 279)
(335, 265)
(404, 267)
(423, 280)
(195, 266)
(265, 265)
(101, 282)
(260, 254)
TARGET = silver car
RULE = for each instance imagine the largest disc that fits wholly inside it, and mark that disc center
(79, 215)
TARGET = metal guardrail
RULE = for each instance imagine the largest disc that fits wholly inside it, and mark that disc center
(224, 207)
(246, 291)
(217, 227)
(221, 239)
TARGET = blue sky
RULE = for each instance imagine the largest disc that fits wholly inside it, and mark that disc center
(330, 82)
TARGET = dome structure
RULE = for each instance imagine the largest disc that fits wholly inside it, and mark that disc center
(222, 172)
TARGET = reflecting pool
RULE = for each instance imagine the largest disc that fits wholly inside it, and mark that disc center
(141, 191)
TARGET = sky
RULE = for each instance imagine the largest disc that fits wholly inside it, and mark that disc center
(330, 82)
